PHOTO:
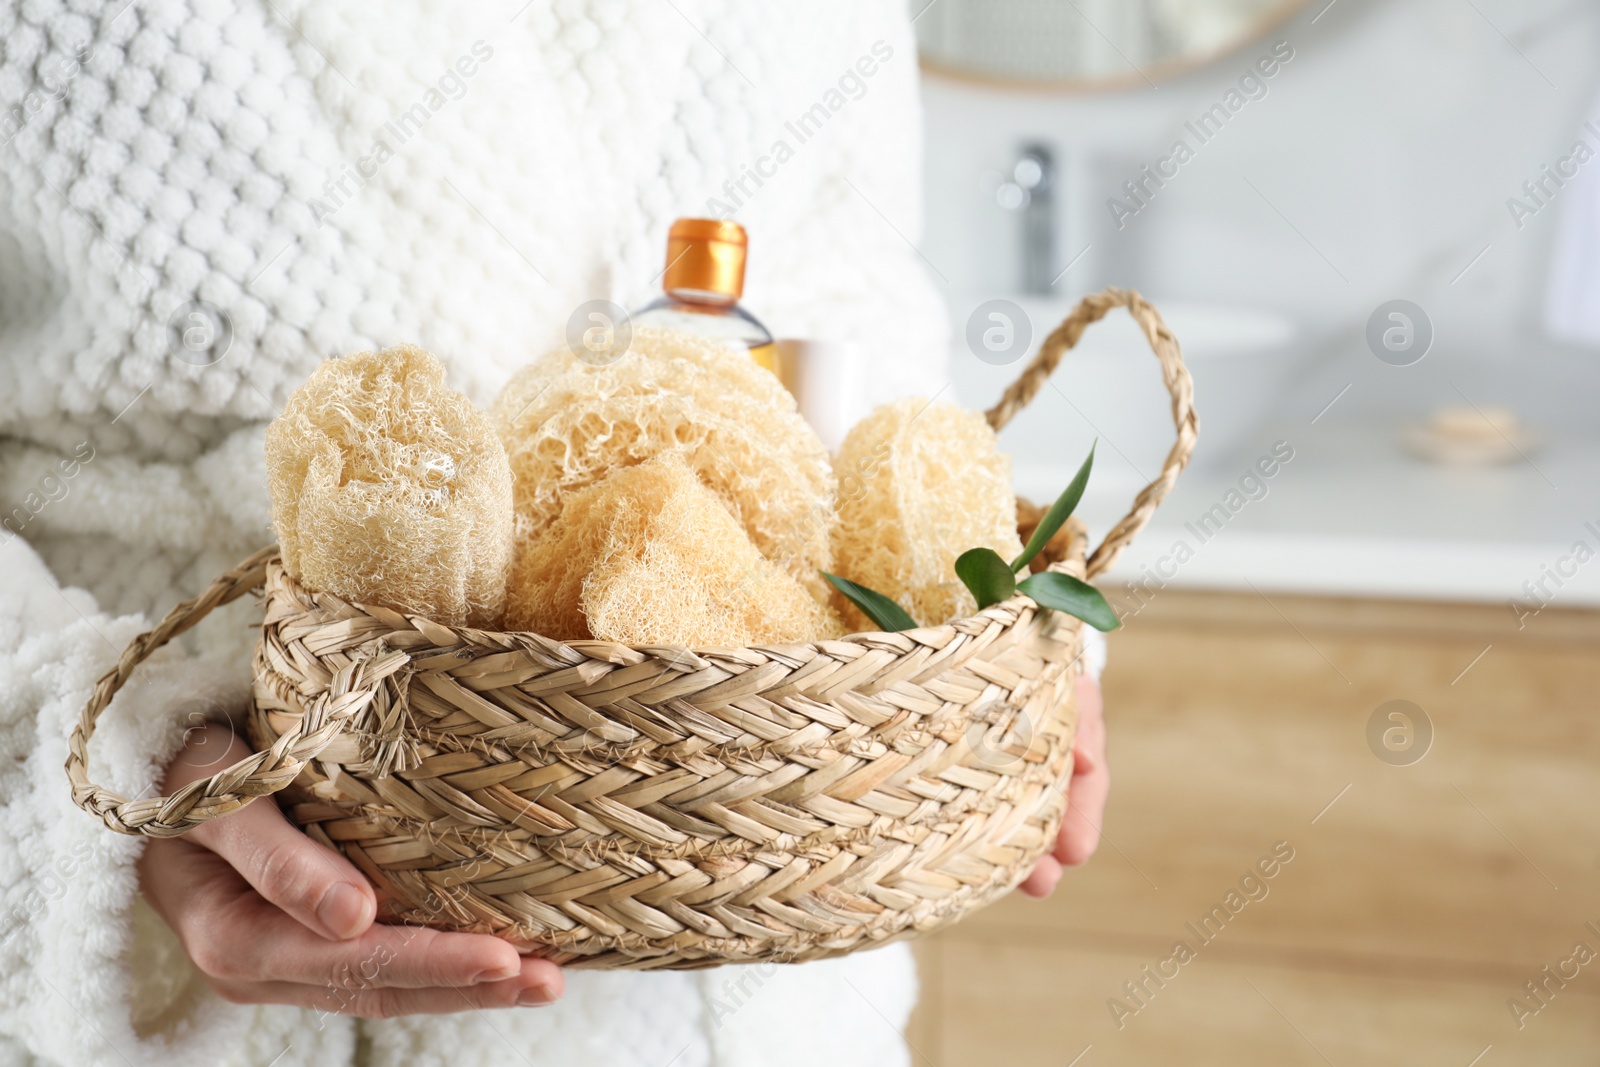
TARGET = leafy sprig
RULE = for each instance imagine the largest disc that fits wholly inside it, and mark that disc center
(991, 579)
(877, 607)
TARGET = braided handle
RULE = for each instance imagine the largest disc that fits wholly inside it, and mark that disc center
(1019, 393)
(259, 774)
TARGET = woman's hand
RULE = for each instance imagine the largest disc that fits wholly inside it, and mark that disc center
(1086, 796)
(271, 917)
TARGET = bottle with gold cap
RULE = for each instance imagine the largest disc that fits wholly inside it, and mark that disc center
(703, 282)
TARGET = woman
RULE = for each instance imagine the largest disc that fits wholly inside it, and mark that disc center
(198, 202)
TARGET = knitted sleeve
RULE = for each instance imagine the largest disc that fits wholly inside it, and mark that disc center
(87, 973)
(1094, 652)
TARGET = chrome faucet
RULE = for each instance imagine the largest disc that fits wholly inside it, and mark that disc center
(1035, 173)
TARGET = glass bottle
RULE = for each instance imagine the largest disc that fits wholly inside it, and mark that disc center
(703, 281)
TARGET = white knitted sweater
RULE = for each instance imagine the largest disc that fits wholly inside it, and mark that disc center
(338, 176)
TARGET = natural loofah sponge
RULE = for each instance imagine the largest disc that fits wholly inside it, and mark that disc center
(389, 488)
(566, 424)
(650, 556)
(920, 484)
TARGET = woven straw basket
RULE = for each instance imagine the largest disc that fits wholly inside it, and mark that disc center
(608, 806)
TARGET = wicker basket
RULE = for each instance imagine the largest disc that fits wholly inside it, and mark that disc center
(609, 806)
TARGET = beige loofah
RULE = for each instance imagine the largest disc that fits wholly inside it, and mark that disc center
(389, 488)
(650, 556)
(567, 424)
(919, 484)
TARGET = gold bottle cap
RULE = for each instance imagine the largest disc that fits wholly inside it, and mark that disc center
(705, 257)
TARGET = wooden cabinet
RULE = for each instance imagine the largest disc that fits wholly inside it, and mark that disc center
(1422, 895)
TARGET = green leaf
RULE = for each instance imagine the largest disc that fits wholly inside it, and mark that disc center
(1058, 514)
(986, 574)
(1065, 593)
(877, 607)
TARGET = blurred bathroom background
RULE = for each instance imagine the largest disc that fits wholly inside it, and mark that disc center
(1379, 244)
(1374, 165)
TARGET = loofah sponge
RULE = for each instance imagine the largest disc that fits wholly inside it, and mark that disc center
(920, 484)
(650, 556)
(389, 488)
(567, 424)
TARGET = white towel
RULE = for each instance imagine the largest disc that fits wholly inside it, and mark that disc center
(1572, 300)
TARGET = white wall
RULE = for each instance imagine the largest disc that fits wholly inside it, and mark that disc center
(1391, 141)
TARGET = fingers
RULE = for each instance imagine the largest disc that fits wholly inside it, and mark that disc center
(231, 933)
(314, 884)
(399, 957)
(270, 916)
(1041, 881)
(539, 983)
(1080, 829)
(1091, 782)
(1086, 797)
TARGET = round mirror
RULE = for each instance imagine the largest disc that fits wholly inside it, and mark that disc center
(1087, 44)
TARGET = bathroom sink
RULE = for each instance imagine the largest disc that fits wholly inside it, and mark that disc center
(1109, 387)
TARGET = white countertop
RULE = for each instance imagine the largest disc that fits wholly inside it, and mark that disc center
(1353, 514)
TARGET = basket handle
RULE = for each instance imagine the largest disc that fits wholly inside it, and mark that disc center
(1019, 393)
(260, 773)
